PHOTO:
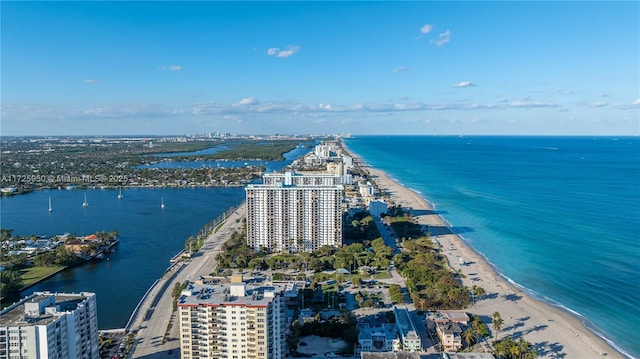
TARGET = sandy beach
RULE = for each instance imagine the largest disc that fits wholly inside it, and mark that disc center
(554, 332)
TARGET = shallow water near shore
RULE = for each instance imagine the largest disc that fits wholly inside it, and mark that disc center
(558, 216)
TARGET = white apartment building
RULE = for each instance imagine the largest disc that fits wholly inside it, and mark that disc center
(232, 321)
(326, 150)
(381, 338)
(50, 325)
(297, 179)
(282, 216)
(406, 329)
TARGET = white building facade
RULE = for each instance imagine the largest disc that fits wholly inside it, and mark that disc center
(297, 179)
(407, 330)
(50, 325)
(232, 322)
(293, 218)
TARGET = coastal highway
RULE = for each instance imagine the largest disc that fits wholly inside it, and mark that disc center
(156, 310)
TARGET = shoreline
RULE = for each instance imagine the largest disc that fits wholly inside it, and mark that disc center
(551, 328)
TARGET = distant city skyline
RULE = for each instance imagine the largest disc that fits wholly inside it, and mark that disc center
(160, 68)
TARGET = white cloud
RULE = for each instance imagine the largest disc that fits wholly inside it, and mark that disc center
(171, 67)
(531, 104)
(634, 105)
(597, 104)
(91, 82)
(426, 29)
(245, 102)
(250, 106)
(464, 84)
(283, 53)
(400, 69)
(442, 39)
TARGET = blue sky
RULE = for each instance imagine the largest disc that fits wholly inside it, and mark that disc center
(563, 68)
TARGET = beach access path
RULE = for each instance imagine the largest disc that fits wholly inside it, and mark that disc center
(156, 314)
(554, 333)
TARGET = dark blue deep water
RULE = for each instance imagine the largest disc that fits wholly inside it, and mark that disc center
(559, 216)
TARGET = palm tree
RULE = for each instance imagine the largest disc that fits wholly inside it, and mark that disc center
(480, 292)
(476, 323)
(523, 347)
(469, 336)
(497, 322)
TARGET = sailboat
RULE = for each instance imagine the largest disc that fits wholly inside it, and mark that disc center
(162, 205)
(50, 208)
(85, 203)
(120, 196)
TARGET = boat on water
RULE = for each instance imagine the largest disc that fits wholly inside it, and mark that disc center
(85, 203)
(50, 208)
(120, 196)
(162, 203)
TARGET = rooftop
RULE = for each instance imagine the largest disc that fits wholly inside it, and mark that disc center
(42, 308)
(390, 355)
(468, 356)
(365, 332)
(230, 294)
(404, 320)
(449, 327)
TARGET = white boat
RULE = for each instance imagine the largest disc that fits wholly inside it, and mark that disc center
(162, 204)
(85, 203)
(50, 208)
(120, 196)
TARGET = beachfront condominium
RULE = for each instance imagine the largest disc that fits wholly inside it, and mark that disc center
(291, 178)
(283, 216)
(50, 325)
(232, 321)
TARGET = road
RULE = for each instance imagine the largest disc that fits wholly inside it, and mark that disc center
(152, 326)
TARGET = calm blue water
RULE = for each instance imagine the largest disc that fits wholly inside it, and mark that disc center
(559, 216)
(149, 236)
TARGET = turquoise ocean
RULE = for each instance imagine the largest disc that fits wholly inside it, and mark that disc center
(558, 217)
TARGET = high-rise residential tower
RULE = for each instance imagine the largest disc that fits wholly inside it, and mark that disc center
(295, 213)
(50, 325)
(232, 321)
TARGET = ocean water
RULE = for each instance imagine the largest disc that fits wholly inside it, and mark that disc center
(557, 216)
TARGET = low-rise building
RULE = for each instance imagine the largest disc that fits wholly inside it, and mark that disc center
(380, 338)
(450, 335)
(407, 330)
(446, 355)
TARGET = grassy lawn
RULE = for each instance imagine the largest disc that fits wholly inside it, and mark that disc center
(382, 275)
(34, 274)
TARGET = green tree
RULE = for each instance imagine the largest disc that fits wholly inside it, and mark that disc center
(11, 280)
(469, 336)
(497, 322)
